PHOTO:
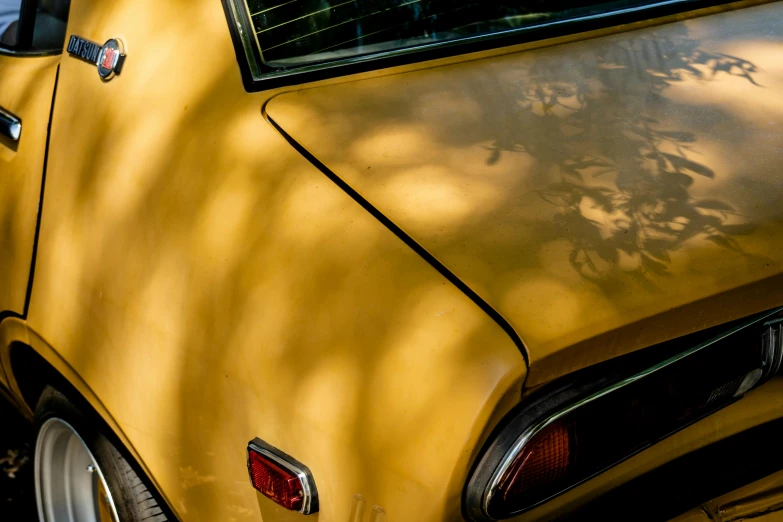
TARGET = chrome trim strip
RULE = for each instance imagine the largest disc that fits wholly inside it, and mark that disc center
(529, 433)
(773, 341)
(438, 45)
(301, 475)
(243, 36)
(11, 52)
(10, 125)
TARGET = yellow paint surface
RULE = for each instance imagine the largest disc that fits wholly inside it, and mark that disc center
(209, 285)
(760, 501)
(585, 190)
(202, 284)
(26, 88)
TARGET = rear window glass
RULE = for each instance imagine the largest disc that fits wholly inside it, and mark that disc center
(294, 41)
(33, 26)
(292, 33)
(10, 11)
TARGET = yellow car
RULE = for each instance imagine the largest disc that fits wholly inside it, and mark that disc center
(394, 260)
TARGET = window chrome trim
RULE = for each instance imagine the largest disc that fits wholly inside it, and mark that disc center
(467, 39)
(251, 62)
(532, 431)
(29, 53)
(238, 15)
(302, 472)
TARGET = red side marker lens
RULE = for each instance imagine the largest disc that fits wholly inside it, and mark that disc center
(275, 482)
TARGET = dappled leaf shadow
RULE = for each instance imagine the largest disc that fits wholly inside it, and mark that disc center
(635, 205)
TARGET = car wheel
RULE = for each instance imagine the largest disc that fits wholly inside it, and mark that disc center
(79, 475)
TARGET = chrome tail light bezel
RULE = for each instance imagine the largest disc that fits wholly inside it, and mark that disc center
(561, 398)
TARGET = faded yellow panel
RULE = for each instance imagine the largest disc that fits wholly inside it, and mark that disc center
(11, 330)
(585, 190)
(26, 89)
(694, 515)
(761, 501)
(209, 286)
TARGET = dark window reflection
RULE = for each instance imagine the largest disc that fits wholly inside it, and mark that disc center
(40, 30)
(298, 32)
(50, 20)
(9, 21)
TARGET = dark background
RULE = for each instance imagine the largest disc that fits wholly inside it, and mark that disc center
(17, 493)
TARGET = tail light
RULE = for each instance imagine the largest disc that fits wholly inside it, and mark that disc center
(281, 478)
(582, 428)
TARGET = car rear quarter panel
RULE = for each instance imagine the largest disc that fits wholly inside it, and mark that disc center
(602, 195)
(26, 86)
(209, 286)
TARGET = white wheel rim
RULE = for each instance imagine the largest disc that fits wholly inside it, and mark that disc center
(69, 484)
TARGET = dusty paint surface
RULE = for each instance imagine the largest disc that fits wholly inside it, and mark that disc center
(202, 284)
(26, 87)
(585, 188)
(207, 285)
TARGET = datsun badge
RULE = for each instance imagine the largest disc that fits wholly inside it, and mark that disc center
(108, 58)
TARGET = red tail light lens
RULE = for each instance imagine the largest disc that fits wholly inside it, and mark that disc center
(586, 427)
(542, 464)
(281, 478)
(276, 483)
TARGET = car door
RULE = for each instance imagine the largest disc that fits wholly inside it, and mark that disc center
(31, 40)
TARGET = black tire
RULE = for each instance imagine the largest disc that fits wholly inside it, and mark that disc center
(133, 499)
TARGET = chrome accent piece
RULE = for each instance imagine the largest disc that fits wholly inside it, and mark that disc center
(357, 508)
(10, 125)
(378, 514)
(773, 347)
(532, 431)
(247, 44)
(69, 485)
(750, 380)
(309, 504)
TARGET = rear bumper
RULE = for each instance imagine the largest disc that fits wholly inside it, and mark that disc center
(693, 479)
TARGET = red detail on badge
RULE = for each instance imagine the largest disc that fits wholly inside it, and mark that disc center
(108, 58)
